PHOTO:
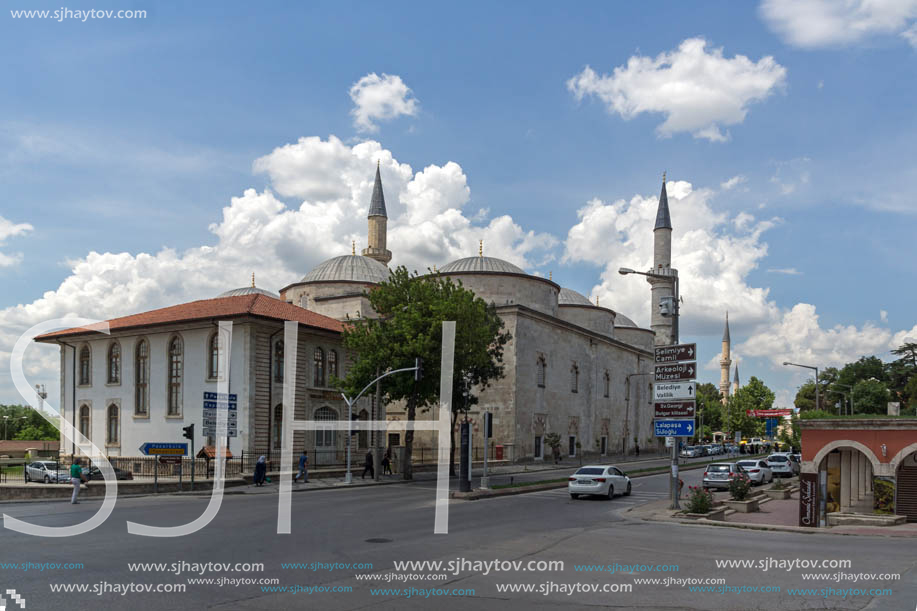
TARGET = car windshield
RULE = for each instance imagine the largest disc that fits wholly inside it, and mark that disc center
(717, 469)
(591, 471)
(777, 459)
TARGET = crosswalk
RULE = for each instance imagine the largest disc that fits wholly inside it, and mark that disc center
(637, 497)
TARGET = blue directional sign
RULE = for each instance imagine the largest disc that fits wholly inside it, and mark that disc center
(220, 396)
(164, 449)
(674, 428)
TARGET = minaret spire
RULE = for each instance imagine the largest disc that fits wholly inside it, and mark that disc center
(725, 362)
(662, 287)
(663, 221)
(378, 224)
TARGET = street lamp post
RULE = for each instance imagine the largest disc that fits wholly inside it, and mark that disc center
(674, 314)
(843, 393)
(816, 377)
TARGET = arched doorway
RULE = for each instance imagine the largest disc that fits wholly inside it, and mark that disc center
(906, 484)
(850, 472)
(325, 439)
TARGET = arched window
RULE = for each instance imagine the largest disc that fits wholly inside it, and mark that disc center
(175, 376)
(142, 379)
(332, 364)
(277, 432)
(114, 425)
(215, 357)
(541, 369)
(85, 366)
(84, 421)
(318, 379)
(278, 361)
(114, 363)
(607, 384)
(574, 378)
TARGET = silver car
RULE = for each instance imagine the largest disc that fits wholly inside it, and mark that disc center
(720, 474)
(47, 471)
(782, 465)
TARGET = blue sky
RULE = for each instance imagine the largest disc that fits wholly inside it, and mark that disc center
(131, 136)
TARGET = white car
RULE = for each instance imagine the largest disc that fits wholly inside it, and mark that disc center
(781, 465)
(757, 471)
(599, 480)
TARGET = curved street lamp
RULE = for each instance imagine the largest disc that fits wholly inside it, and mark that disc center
(816, 377)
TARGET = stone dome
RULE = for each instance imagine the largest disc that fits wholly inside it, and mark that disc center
(249, 290)
(480, 264)
(349, 268)
(571, 297)
(623, 321)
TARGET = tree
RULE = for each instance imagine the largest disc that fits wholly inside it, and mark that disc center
(790, 434)
(754, 395)
(871, 397)
(411, 310)
(23, 422)
(908, 353)
(710, 408)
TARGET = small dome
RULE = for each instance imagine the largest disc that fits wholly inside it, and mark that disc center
(623, 321)
(349, 268)
(248, 290)
(481, 264)
(571, 297)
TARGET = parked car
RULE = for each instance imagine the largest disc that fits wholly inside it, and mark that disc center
(600, 480)
(94, 473)
(781, 465)
(718, 475)
(47, 471)
(691, 452)
(757, 470)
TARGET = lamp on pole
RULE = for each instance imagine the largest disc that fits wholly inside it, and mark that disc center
(816, 377)
(673, 312)
(843, 393)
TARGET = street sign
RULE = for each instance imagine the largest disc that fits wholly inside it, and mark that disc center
(170, 460)
(152, 448)
(679, 371)
(222, 401)
(219, 396)
(674, 391)
(674, 428)
(674, 409)
(675, 353)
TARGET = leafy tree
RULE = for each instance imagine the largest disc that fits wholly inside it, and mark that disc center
(710, 409)
(908, 353)
(754, 395)
(23, 422)
(411, 310)
(790, 435)
(871, 397)
(864, 368)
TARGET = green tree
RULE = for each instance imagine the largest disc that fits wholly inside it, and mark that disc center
(754, 395)
(790, 435)
(871, 397)
(411, 310)
(710, 409)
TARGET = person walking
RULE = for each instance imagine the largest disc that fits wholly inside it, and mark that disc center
(637, 449)
(303, 468)
(260, 471)
(76, 478)
(387, 462)
(368, 466)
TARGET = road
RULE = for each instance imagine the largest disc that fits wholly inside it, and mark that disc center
(380, 525)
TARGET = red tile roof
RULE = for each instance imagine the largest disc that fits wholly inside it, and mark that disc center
(260, 306)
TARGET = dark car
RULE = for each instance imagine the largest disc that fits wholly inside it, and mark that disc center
(95, 474)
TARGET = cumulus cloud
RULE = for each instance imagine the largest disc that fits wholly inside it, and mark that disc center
(380, 98)
(9, 229)
(827, 23)
(330, 184)
(699, 91)
(713, 253)
(732, 183)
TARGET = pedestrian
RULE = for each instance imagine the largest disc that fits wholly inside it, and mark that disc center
(76, 478)
(368, 466)
(637, 449)
(556, 451)
(260, 471)
(303, 468)
(387, 462)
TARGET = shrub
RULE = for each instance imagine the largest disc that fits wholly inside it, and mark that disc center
(699, 500)
(884, 496)
(778, 484)
(739, 487)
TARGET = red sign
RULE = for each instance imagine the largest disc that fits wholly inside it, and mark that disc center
(767, 413)
(674, 409)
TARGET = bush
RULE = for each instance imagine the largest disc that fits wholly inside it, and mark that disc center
(884, 496)
(739, 487)
(778, 484)
(699, 500)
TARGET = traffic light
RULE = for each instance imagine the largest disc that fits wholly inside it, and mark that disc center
(488, 425)
(189, 432)
(418, 372)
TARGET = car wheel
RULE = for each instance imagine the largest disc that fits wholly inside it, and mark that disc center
(47, 480)
(627, 493)
(611, 492)
(574, 496)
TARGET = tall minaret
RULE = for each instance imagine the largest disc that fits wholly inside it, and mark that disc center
(378, 225)
(735, 380)
(725, 362)
(662, 264)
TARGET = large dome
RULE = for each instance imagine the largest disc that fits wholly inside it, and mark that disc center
(349, 268)
(480, 264)
(249, 290)
(571, 297)
(623, 321)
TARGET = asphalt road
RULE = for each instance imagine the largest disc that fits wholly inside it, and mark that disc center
(381, 525)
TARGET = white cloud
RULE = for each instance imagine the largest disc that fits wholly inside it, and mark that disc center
(789, 271)
(380, 98)
(827, 23)
(883, 315)
(713, 253)
(733, 182)
(9, 229)
(698, 91)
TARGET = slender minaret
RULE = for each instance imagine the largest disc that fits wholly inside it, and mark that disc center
(725, 362)
(378, 225)
(662, 264)
(735, 380)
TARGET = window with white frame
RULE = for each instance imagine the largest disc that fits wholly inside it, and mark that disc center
(85, 366)
(142, 378)
(215, 365)
(85, 421)
(176, 363)
(114, 425)
(114, 363)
